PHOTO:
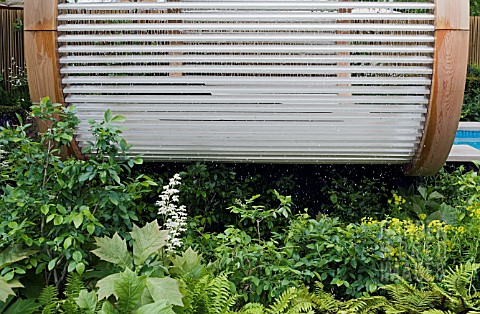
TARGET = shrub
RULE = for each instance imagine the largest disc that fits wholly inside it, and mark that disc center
(56, 205)
(471, 98)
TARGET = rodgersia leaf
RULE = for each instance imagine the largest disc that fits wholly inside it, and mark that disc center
(167, 289)
(14, 253)
(146, 241)
(129, 290)
(106, 286)
(87, 301)
(159, 307)
(6, 288)
(113, 250)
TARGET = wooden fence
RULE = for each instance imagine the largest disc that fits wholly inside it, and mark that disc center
(11, 40)
(474, 53)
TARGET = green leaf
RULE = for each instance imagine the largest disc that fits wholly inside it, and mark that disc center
(87, 301)
(67, 243)
(44, 209)
(113, 199)
(113, 250)
(58, 220)
(80, 268)
(62, 210)
(137, 161)
(190, 262)
(90, 228)
(165, 289)
(77, 256)
(107, 116)
(107, 308)
(333, 199)
(52, 263)
(106, 286)
(14, 253)
(27, 306)
(77, 220)
(119, 119)
(5, 290)
(159, 307)
(84, 177)
(129, 290)
(146, 241)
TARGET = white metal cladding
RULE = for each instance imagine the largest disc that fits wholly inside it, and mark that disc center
(269, 81)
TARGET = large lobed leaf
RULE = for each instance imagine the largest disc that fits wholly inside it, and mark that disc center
(189, 263)
(146, 241)
(14, 253)
(113, 250)
(87, 301)
(27, 306)
(129, 290)
(159, 307)
(167, 289)
(6, 288)
(106, 286)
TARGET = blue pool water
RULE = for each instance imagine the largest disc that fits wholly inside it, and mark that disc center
(471, 138)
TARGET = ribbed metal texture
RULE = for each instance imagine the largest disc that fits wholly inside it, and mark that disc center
(307, 81)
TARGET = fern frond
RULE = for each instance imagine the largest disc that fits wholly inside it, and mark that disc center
(437, 312)
(365, 305)
(48, 300)
(72, 289)
(221, 297)
(324, 301)
(195, 294)
(421, 272)
(457, 281)
(252, 308)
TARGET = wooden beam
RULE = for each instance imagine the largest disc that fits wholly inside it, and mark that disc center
(40, 15)
(448, 82)
(42, 58)
(446, 97)
(452, 15)
(43, 67)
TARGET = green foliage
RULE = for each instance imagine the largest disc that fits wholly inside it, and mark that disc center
(16, 99)
(351, 259)
(452, 295)
(8, 256)
(474, 7)
(471, 97)
(57, 205)
(350, 201)
(28, 306)
(140, 286)
(72, 291)
(48, 300)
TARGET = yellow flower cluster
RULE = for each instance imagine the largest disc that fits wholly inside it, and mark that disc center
(397, 201)
(474, 210)
(406, 227)
(369, 221)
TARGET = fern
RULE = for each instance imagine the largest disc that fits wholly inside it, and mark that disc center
(457, 297)
(195, 294)
(221, 298)
(324, 301)
(293, 301)
(366, 305)
(252, 308)
(48, 300)
(72, 289)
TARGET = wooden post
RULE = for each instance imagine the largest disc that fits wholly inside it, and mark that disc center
(175, 32)
(41, 55)
(345, 54)
(448, 82)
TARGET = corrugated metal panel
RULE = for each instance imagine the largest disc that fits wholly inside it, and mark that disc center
(306, 81)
